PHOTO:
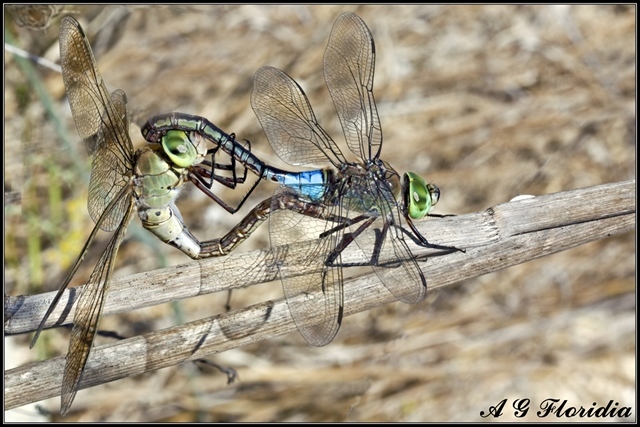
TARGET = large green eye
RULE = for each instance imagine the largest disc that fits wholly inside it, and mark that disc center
(419, 196)
(178, 147)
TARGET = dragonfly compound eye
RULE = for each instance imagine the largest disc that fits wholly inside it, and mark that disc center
(178, 147)
(418, 196)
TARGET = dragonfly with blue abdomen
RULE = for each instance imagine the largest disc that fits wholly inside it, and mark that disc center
(122, 181)
(362, 202)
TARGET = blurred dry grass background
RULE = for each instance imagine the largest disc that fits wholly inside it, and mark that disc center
(487, 101)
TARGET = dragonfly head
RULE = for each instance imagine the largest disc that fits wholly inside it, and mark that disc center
(184, 150)
(419, 197)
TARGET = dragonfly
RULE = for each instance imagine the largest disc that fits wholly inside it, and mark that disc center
(122, 181)
(362, 204)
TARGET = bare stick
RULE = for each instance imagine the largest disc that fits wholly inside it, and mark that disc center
(499, 237)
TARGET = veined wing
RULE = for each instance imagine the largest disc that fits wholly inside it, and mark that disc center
(384, 243)
(315, 298)
(102, 122)
(288, 120)
(90, 303)
(349, 63)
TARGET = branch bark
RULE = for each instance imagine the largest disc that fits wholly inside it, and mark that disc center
(496, 238)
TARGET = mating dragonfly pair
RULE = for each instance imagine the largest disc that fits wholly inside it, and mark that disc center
(362, 204)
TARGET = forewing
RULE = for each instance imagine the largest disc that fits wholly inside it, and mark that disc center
(349, 63)
(101, 120)
(288, 120)
(313, 291)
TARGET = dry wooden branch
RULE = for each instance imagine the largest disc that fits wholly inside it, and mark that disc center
(499, 237)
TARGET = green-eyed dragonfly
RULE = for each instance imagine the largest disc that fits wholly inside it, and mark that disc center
(122, 180)
(363, 202)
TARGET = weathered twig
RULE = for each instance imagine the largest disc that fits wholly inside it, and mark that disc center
(499, 237)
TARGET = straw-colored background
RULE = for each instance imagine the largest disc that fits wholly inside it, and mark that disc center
(487, 101)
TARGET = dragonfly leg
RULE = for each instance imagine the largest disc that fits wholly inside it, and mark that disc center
(347, 238)
(377, 246)
(196, 179)
(208, 176)
(229, 182)
(344, 222)
(379, 239)
(420, 240)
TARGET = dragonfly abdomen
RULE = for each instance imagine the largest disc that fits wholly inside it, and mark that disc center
(310, 184)
(157, 127)
(167, 225)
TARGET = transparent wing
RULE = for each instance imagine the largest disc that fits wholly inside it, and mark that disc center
(288, 120)
(385, 245)
(349, 63)
(102, 122)
(313, 291)
(89, 309)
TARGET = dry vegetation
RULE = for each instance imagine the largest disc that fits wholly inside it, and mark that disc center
(487, 101)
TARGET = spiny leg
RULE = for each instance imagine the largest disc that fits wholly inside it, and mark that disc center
(195, 176)
(229, 182)
(420, 240)
(348, 238)
(203, 179)
(344, 222)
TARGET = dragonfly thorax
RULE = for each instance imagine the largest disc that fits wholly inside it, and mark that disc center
(383, 174)
(157, 180)
(161, 169)
(364, 187)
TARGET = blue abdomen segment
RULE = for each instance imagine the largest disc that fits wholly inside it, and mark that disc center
(311, 184)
